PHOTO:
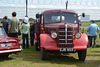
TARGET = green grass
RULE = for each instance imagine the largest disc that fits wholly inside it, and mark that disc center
(0, 23)
(32, 58)
(86, 24)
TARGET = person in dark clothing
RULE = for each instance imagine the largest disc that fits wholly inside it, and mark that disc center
(38, 17)
(5, 24)
(32, 28)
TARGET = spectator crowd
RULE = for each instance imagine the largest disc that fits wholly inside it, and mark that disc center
(14, 26)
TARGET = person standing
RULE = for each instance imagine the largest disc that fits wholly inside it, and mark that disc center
(93, 30)
(88, 37)
(37, 17)
(5, 24)
(13, 26)
(25, 29)
(32, 28)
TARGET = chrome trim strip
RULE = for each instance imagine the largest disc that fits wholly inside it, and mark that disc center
(69, 39)
(61, 35)
(69, 31)
(9, 51)
(66, 32)
(69, 43)
(65, 39)
(65, 43)
(62, 39)
(64, 35)
(61, 31)
(69, 35)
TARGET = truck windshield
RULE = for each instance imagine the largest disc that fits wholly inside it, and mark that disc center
(55, 17)
(52, 17)
(69, 17)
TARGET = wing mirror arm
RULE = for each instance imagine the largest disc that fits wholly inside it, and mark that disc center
(83, 15)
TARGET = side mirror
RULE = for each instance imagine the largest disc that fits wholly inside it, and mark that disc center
(83, 14)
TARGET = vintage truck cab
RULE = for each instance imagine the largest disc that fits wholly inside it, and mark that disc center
(58, 30)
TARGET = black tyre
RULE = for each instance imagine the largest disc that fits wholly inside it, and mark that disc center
(4, 56)
(36, 47)
(43, 54)
(82, 54)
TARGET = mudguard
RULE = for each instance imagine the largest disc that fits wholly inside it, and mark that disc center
(81, 43)
(47, 42)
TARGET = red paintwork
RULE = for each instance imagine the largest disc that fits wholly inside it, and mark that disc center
(36, 37)
(5, 39)
(47, 42)
(50, 44)
(59, 10)
(62, 25)
(81, 43)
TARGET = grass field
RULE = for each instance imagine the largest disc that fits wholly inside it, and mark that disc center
(31, 58)
(86, 24)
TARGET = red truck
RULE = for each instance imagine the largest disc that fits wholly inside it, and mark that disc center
(58, 30)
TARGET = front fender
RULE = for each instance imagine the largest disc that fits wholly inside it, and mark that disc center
(48, 42)
(81, 43)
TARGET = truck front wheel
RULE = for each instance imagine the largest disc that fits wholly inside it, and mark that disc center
(43, 53)
(82, 54)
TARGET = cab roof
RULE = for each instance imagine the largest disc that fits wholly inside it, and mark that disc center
(59, 10)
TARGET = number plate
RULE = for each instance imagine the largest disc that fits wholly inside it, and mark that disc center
(6, 45)
(66, 49)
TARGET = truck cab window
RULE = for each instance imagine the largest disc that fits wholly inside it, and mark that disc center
(52, 17)
(69, 17)
(58, 17)
(63, 18)
(55, 18)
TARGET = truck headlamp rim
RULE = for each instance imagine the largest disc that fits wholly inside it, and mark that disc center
(54, 35)
(78, 35)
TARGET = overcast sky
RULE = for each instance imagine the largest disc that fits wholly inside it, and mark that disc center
(52, 3)
(89, 7)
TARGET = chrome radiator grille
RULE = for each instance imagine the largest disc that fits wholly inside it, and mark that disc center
(66, 37)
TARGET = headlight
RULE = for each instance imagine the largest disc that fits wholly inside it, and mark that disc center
(53, 35)
(78, 35)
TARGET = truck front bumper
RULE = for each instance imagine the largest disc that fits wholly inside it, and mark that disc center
(58, 49)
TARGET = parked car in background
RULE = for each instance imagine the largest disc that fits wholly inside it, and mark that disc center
(8, 45)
